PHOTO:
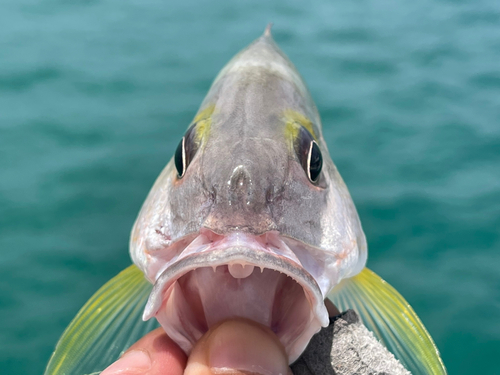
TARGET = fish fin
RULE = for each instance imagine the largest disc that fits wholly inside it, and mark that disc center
(387, 314)
(105, 326)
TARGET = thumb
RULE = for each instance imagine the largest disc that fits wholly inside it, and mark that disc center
(238, 347)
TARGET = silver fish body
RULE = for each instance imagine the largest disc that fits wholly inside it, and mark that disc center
(237, 225)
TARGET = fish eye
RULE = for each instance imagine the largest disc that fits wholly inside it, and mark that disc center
(180, 158)
(185, 151)
(314, 162)
(309, 155)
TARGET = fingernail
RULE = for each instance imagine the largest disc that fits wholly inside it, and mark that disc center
(133, 362)
(258, 352)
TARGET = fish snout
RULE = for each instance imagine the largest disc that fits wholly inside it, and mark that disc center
(241, 202)
(226, 219)
(240, 187)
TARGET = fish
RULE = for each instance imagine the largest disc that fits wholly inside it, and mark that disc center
(250, 218)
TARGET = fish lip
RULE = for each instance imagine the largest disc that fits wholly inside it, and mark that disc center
(245, 254)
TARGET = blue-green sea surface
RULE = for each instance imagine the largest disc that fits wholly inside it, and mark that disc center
(95, 95)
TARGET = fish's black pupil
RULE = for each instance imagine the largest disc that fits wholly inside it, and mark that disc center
(179, 159)
(309, 155)
(186, 150)
(315, 162)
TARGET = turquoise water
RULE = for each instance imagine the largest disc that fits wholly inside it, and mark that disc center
(95, 94)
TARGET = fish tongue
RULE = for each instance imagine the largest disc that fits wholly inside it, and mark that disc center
(226, 293)
(240, 271)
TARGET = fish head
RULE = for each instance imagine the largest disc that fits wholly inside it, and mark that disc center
(250, 218)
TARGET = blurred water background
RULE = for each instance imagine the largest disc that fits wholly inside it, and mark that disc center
(95, 95)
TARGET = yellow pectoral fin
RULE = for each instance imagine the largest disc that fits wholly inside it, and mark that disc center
(105, 326)
(387, 314)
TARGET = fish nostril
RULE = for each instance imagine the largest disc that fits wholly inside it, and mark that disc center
(212, 194)
(272, 193)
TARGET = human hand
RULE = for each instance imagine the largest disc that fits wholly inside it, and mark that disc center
(232, 347)
(236, 346)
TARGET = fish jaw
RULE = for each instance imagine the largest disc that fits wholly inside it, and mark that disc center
(239, 275)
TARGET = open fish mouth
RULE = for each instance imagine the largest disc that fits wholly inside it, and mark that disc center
(240, 275)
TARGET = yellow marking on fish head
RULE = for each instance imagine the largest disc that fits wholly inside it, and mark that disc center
(293, 122)
(203, 120)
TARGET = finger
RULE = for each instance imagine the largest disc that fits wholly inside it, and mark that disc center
(154, 354)
(238, 347)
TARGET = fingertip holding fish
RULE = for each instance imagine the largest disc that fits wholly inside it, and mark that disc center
(223, 351)
(133, 362)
